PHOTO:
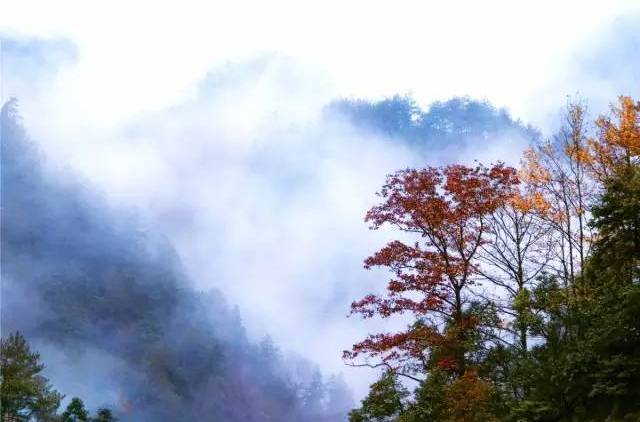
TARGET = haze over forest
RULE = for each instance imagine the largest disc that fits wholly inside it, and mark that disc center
(183, 201)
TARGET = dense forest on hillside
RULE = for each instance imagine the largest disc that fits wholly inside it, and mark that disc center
(522, 287)
(92, 283)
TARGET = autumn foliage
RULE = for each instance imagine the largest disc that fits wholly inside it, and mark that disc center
(618, 139)
(446, 209)
(490, 257)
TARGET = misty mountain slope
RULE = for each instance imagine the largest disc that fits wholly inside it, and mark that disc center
(455, 122)
(110, 308)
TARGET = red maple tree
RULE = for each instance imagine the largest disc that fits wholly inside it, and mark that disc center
(447, 209)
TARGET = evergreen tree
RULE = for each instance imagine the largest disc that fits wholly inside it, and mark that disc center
(385, 400)
(617, 219)
(24, 393)
(75, 411)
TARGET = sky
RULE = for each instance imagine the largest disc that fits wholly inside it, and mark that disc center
(152, 52)
(204, 118)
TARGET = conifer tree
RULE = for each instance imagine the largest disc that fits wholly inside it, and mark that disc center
(24, 393)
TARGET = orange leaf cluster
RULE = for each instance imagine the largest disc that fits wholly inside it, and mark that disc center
(467, 399)
(618, 141)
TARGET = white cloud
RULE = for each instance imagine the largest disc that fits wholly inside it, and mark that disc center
(142, 56)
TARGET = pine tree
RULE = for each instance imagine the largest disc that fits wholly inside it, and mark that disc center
(24, 392)
(75, 411)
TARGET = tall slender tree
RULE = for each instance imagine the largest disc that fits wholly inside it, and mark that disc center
(517, 252)
(557, 171)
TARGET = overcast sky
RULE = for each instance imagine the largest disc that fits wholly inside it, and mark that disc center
(151, 52)
(203, 118)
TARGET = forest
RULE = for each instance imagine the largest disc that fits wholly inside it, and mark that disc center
(90, 293)
(519, 288)
(336, 211)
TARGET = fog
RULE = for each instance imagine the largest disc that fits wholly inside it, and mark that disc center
(259, 179)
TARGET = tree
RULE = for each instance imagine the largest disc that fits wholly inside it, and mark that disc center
(517, 253)
(556, 170)
(448, 209)
(24, 392)
(385, 400)
(75, 411)
(611, 323)
(617, 219)
(563, 250)
(617, 143)
(614, 161)
(587, 367)
(438, 399)
(104, 415)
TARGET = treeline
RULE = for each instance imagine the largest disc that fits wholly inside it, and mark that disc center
(443, 124)
(26, 394)
(522, 287)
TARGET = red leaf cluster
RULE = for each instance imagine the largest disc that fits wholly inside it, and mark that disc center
(447, 209)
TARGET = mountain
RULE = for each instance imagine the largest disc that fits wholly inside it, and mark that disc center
(109, 306)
